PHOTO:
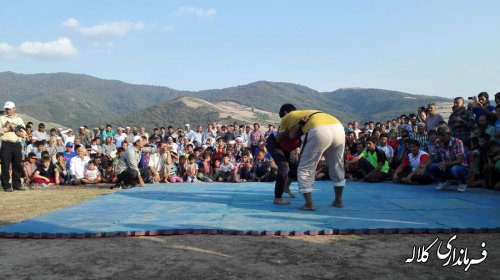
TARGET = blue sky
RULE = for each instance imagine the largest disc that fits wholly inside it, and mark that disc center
(443, 48)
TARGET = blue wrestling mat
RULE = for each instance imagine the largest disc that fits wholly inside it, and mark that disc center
(247, 209)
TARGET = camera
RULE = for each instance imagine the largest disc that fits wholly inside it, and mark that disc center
(17, 128)
(473, 98)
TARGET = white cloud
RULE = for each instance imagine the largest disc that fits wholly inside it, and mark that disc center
(198, 12)
(71, 22)
(7, 51)
(104, 31)
(62, 47)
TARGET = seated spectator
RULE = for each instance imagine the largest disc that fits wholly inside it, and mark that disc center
(216, 170)
(205, 168)
(262, 168)
(226, 170)
(29, 168)
(109, 175)
(129, 173)
(78, 165)
(174, 175)
(382, 145)
(432, 135)
(46, 173)
(91, 174)
(407, 170)
(160, 163)
(491, 168)
(372, 164)
(451, 163)
(62, 169)
(243, 169)
(485, 126)
(191, 170)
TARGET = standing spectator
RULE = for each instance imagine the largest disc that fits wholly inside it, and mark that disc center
(255, 136)
(481, 106)
(84, 136)
(109, 132)
(460, 121)
(433, 117)
(40, 134)
(68, 136)
(119, 137)
(420, 135)
(11, 149)
(450, 161)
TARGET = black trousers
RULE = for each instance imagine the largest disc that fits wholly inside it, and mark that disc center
(11, 155)
(130, 177)
(287, 165)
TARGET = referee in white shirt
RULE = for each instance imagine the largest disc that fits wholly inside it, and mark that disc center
(11, 150)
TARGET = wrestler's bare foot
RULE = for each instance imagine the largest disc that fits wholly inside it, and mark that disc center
(280, 201)
(337, 203)
(306, 208)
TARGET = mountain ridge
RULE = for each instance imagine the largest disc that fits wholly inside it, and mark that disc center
(75, 99)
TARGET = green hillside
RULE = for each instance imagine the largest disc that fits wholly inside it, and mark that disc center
(74, 99)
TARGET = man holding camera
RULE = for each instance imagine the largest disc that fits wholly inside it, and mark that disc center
(12, 132)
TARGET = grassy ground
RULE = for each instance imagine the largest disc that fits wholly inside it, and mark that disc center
(21, 205)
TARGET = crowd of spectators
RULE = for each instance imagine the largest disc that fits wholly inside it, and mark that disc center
(415, 148)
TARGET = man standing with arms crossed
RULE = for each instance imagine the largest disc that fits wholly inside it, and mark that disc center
(11, 150)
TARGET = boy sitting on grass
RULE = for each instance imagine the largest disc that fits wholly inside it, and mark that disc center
(46, 174)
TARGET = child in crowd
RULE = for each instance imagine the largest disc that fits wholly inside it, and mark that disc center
(91, 174)
(262, 168)
(109, 175)
(173, 176)
(191, 169)
(215, 175)
(46, 173)
(226, 170)
(29, 168)
(243, 169)
(205, 169)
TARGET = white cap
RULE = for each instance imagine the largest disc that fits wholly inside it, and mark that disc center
(9, 105)
(187, 125)
(137, 137)
(239, 139)
(128, 127)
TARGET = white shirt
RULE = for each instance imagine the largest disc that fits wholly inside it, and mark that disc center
(156, 161)
(78, 166)
(119, 138)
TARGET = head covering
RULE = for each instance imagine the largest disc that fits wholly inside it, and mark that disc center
(9, 105)
(137, 137)
(69, 144)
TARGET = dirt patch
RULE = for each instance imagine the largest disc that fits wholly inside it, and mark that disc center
(240, 257)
